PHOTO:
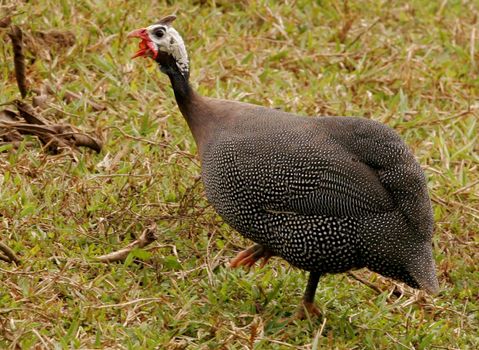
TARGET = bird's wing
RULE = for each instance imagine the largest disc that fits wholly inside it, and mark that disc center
(398, 171)
(306, 179)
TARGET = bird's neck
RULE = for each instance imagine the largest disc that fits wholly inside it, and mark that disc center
(181, 87)
(190, 103)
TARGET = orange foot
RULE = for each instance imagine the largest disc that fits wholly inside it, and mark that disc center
(307, 309)
(251, 255)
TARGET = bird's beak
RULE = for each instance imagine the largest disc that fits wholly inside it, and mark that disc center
(146, 46)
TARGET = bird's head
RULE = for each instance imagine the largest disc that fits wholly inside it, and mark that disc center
(163, 43)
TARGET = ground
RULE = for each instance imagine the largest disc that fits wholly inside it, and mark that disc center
(413, 65)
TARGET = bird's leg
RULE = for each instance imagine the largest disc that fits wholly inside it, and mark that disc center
(307, 307)
(308, 298)
(251, 255)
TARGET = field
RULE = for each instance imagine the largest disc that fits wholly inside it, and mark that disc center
(413, 65)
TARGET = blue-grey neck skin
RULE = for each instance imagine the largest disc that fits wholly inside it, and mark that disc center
(179, 80)
(179, 83)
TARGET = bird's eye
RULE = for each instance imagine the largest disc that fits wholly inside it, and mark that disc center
(159, 32)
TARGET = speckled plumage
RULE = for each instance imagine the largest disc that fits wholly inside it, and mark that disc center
(327, 194)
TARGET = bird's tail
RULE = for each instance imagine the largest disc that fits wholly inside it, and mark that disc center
(423, 269)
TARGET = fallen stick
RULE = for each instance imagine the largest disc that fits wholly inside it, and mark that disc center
(9, 254)
(19, 59)
(61, 135)
(378, 290)
(147, 237)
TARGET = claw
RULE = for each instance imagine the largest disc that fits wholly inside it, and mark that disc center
(266, 257)
(307, 309)
(251, 255)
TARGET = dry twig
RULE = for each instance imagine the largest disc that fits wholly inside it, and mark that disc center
(147, 237)
(19, 59)
(395, 292)
(9, 255)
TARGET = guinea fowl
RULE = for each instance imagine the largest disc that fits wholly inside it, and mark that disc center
(327, 194)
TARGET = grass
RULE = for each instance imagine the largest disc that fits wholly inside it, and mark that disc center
(413, 65)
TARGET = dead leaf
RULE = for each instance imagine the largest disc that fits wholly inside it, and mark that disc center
(5, 22)
(9, 135)
(39, 101)
(27, 113)
(7, 115)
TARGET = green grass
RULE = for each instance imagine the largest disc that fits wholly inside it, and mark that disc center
(413, 65)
